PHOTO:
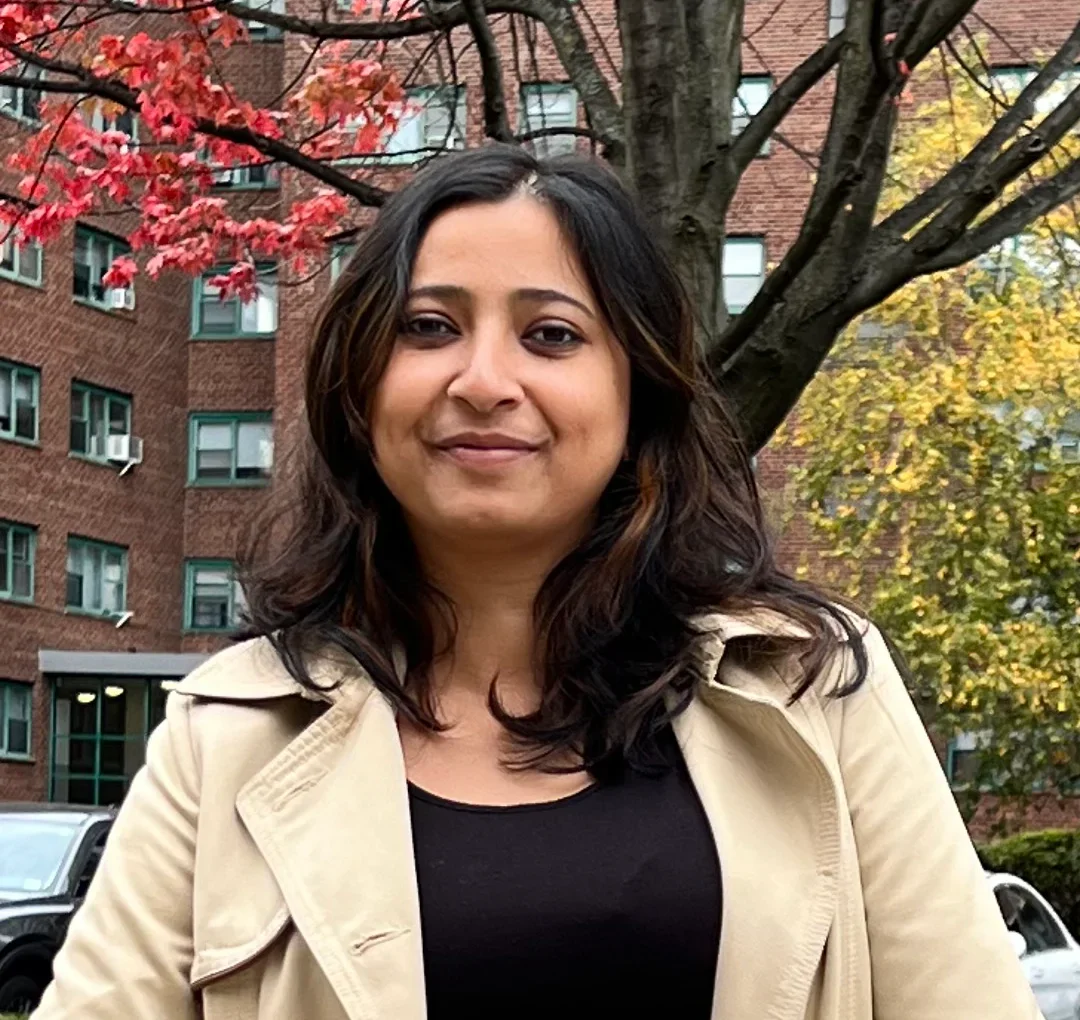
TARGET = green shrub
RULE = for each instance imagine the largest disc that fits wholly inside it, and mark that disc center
(1048, 860)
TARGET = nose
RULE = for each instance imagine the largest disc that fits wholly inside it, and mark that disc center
(487, 379)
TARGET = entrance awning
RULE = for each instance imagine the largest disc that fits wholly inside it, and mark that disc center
(163, 664)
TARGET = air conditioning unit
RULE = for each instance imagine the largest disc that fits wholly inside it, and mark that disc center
(126, 450)
(122, 298)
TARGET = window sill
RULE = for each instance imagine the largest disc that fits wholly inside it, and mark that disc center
(30, 122)
(16, 600)
(224, 189)
(212, 631)
(123, 314)
(213, 337)
(92, 614)
(32, 284)
(99, 461)
(18, 759)
(222, 483)
(34, 444)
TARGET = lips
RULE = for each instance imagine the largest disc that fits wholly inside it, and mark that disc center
(486, 441)
(486, 451)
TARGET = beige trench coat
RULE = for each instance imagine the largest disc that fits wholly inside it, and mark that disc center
(261, 867)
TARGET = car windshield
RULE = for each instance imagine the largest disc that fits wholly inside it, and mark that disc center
(31, 852)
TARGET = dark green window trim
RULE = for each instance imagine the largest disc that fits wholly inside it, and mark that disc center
(207, 600)
(21, 261)
(19, 103)
(93, 253)
(340, 257)
(90, 754)
(18, 552)
(16, 708)
(740, 288)
(96, 414)
(229, 323)
(89, 590)
(222, 464)
(553, 145)
(20, 402)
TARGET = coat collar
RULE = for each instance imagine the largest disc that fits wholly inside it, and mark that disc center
(768, 795)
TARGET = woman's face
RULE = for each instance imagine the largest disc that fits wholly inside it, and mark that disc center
(504, 408)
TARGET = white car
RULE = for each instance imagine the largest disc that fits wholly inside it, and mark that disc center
(1048, 953)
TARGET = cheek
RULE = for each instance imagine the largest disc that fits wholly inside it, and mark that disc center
(596, 417)
(402, 397)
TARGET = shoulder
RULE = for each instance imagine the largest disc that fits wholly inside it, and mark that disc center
(253, 671)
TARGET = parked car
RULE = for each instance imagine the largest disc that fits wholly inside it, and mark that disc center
(48, 854)
(1048, 952)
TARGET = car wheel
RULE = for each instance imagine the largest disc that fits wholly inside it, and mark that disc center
(19, 994)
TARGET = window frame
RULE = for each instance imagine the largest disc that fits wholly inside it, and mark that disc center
(1021, 76)
(747, 113)
(7, 581)
(238, 178)
(836, 12)
(1035, 904)
(19, 93)
(234, 419)
(117, 246)
(11, 243)
(758, 240)
(17, 368)
(258, 31)
(263, 271)
(235, 596)
(9, 688)
(91, 545)
(541, 147)
(87, 391)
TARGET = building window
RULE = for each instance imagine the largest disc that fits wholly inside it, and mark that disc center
(435, 120)
(250, 177)
(100, 726)
(340, 258)
(122, 120)
(1008, 82)
(18, 543)
(257, 30)
(94, 254)
(743, 269)
(231, 449)
(549, 106)
(231, 318)
(19, 260)
(1068, 439)
(752, 95)
(15, 700)
(96, 577)
(213, 597)
(97, 414)
(20, 398)
(17, 101)
(837, 16)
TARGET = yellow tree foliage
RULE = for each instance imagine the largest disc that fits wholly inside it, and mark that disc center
(939, 475)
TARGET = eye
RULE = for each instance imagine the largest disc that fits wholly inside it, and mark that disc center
(429, 328)
(554, 337)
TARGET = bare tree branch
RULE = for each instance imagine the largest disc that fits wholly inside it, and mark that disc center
(783, 99)
(960, 176)
(496, 123)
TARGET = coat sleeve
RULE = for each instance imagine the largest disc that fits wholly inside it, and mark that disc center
(129, 949)
(938, 945)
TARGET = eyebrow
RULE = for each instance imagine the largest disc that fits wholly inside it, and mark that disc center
(451, 292)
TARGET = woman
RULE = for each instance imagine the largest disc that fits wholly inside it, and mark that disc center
(530, 723)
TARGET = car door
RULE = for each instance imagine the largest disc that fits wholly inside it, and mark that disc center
(1051, 963)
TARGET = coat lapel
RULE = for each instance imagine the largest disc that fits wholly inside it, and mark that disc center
(355, 904)
(773, 808)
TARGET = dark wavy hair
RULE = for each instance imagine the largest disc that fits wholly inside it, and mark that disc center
(679, 531)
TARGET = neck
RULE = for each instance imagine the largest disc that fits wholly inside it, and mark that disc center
(493, 591)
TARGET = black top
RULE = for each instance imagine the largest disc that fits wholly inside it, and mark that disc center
(605, 903)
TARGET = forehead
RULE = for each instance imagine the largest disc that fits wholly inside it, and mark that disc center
(500, 246)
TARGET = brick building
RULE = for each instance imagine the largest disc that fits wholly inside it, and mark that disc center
(137, 430)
